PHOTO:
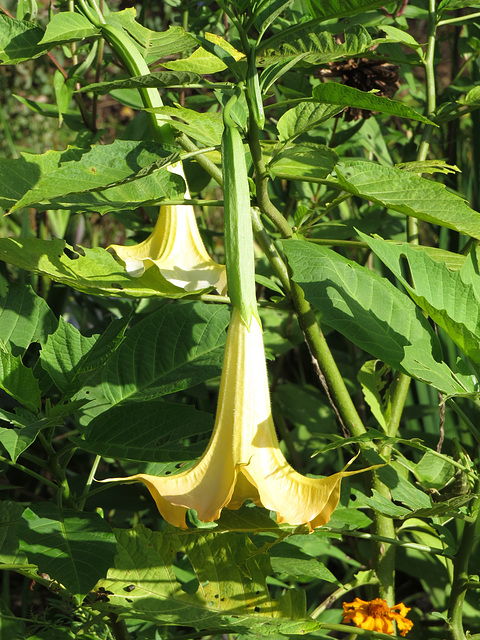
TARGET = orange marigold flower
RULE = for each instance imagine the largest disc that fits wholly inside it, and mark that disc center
(376, 615)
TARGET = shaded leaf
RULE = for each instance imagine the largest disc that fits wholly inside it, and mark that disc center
(173, 348)
(24, 318)
(19, 40)
(18, 381)
(148, 431)
(16, 441)
(408, 194)
(345, 96)
(74, 548)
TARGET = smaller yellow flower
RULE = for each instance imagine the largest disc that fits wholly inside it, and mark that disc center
(176, 248)
(376, 615)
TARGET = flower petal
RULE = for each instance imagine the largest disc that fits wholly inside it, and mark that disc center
(176, 248)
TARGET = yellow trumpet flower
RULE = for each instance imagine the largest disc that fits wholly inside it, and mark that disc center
(243, 459)
(176, 248)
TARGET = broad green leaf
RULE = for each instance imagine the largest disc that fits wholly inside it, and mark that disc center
(93, 271)
(68, 27)
(304, 117)
(70, 358)
(18, 381)
(206, 128)
(157, 80)
(302, 569)
(450, 298)
(155, 44)
(94, 171)
(370, 312)
(148, 431)
(326, 9)
(345, 96)
(10, 515)
(302, 161)
(74, 548)
(314, 44)
(11, 627)
(204, 61)
(173, 348)
(231, 594)
(398, 35)
(19, 40)
(24, 318)
(408, 194)
(16, 441)
(385, 506)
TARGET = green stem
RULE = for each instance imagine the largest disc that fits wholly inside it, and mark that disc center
(37, 476)
(88, 484)
(323, 361)
(460, 573)
(391, 541)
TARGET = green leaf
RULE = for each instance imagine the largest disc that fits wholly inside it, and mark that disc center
(74, 548)
(16, 441)
(314, 44)
(374, 379)
(408, 194)
(18, 381)
(84, 179)
(206, 128)
(231, 594)
(303, 160)
(370, 312)
(70, 358)
(450, 298)
(24, 318)
(155, 44)
(327, 9)
(304, 117)
(345, 96)
(10, 517)
(156, 80)
(93, 271)
(148, 431)
(452, 5)
(19, 40)
(68, 27)
(302, 569)
(173, 348)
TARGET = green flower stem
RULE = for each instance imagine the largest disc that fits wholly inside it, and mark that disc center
(269, 249)
(460, 572)
(322, 358)
(392, 541)
(88, 484)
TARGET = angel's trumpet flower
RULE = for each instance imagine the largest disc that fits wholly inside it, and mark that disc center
(243, 459)
(176, 248)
